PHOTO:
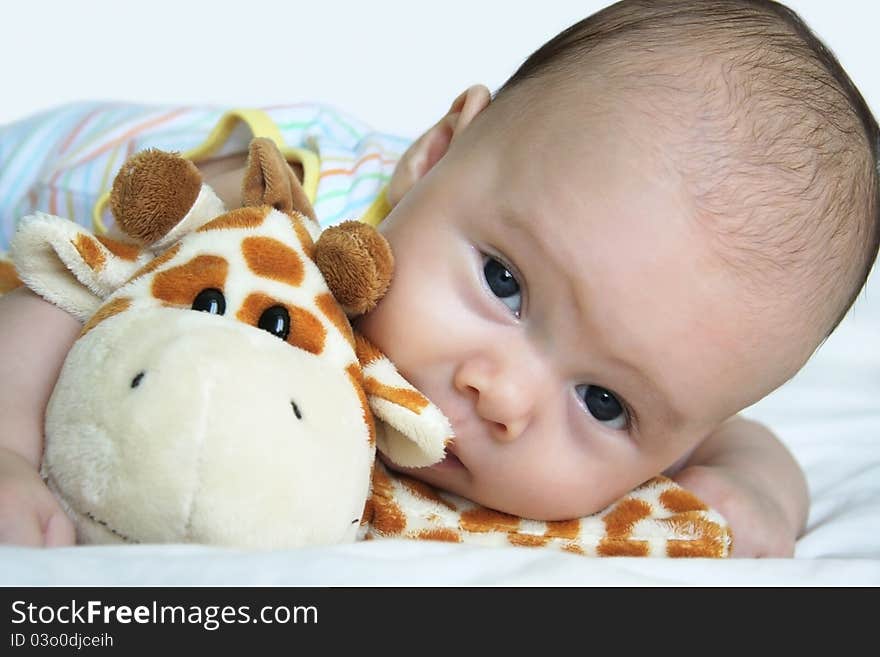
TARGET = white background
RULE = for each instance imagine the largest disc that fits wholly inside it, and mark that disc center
(396, 65)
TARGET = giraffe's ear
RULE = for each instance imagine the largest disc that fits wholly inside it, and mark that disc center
(157, 197)
(411, 430)
(269, 180)
(68, 266)
(357, 264)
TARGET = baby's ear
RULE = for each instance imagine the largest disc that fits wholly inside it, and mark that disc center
(427, 150)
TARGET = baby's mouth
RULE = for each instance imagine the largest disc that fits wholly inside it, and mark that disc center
(451, 460)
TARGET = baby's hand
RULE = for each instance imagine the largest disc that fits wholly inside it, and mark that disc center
(29, 513)
(759, 523)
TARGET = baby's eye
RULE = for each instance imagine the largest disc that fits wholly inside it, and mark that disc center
(603, 405)
(502, 283)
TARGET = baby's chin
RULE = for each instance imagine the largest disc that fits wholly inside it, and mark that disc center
(452, 476)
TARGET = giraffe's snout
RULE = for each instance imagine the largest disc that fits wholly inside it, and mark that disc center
(181, 426)
(139, 377)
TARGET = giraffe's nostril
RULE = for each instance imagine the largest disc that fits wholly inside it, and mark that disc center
(296, 410)
(136, 381)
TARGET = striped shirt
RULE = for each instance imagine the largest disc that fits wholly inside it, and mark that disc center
(63, 161)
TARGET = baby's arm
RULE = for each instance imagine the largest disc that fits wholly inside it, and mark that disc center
(35, 336)
(744, 472)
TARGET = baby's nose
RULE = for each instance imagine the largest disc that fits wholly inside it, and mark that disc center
(505, 397)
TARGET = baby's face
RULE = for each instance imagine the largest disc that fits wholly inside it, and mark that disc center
(555, 298)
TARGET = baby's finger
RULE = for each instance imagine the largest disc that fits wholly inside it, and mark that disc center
(59, 531)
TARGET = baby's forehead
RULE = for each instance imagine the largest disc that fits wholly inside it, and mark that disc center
(766, 135)
(632, 180)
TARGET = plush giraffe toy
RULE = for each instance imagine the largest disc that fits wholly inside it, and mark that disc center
(254, 423)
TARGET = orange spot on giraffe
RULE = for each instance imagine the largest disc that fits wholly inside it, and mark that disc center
(356, 378)
(409, 399)
(366, 351)
(439, 534)
(563, 528)
(8, 277)
(122, 250)
(305, 239)
(701, 537)
(481, 519)
(388, 519)
(240, 218)
(679, 500)
(424, 491)
(528, 540)
(367, 515)
(180, 285)
(616, 547)
(332, 311)
(156, 262)
(695, 548)
(106, 311)
(306, 331)
(273, 259)
(620, 521)
(90, 251)
(574, 548)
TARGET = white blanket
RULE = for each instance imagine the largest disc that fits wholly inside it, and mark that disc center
(828, 415)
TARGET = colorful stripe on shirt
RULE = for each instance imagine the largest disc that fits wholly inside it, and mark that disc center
(61, 161)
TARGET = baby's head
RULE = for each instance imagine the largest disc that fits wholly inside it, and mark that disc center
(652, 225)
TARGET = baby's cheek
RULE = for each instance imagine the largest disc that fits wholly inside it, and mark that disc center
(412, 318)
(385, 326)
(576, 482)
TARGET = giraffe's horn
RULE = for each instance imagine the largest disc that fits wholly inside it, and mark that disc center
(269, 180)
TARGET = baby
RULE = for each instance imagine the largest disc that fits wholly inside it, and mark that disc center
(651, 226)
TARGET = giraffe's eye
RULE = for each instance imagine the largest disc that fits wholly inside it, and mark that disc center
(211, 301)
(276, 320)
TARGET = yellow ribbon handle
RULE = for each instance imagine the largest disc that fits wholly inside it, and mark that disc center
(260, 125)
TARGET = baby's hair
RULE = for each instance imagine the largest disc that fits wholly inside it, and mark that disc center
(785, 134)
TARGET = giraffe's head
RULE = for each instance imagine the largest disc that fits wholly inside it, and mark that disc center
(215, 394)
